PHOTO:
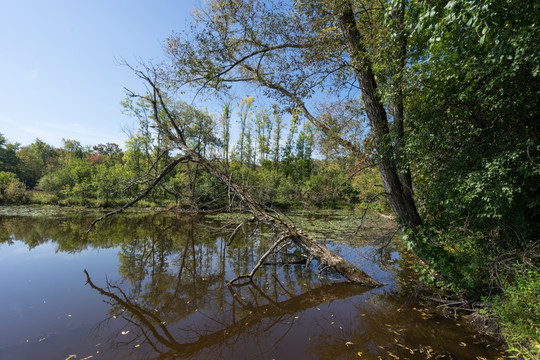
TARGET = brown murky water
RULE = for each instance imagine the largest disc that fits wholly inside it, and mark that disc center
(153, 286)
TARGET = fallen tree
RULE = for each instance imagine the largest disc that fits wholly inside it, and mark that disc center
(170, 124)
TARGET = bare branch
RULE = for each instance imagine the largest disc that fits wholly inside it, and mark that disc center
(141, 195)
(261, 260)
(238, 228)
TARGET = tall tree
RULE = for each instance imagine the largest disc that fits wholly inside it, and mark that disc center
(297, 49)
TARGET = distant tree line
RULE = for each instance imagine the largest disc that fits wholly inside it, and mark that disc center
(286, 163)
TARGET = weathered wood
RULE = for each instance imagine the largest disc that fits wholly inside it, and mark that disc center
(176, 134)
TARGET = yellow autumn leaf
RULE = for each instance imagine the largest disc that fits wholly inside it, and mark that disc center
(462, 344)
(71, 357)
(360, 353)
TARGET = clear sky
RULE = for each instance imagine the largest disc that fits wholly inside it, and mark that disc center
(59, 64)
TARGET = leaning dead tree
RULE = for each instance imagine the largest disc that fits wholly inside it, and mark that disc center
(170, 124)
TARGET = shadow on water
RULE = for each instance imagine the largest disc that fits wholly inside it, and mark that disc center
(154, 286)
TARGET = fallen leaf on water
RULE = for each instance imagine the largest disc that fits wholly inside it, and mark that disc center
(125, 332)
(462, 344)
(349, 343)
(480, 358)
(138, 345)
(71, 357)
(360, 353)
(42, 339)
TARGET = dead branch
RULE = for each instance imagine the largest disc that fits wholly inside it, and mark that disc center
(364, 213)
(142, 194)
(261, 260)
(238, 228)
(326, 257)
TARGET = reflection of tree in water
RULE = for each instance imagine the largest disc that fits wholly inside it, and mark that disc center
(174, 296)
(247, 316)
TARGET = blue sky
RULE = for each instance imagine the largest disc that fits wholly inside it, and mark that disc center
(59, 71)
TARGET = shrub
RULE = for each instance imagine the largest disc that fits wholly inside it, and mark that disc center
(12, 191)
(518, 308)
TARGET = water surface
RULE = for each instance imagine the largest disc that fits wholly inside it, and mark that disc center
(154, 286)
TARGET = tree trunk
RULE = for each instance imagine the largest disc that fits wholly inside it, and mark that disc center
(400, 198)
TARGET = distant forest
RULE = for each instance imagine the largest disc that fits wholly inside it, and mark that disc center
(286, 164)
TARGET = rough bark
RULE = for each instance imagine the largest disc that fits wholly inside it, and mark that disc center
(400, 198)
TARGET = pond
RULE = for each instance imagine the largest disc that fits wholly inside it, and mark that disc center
(154, 286)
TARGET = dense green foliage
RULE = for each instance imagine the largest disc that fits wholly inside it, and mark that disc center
(473, 145)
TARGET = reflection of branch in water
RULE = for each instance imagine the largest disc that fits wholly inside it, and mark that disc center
(158, 336)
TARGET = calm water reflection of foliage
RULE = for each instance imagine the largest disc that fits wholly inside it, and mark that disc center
(172, 296)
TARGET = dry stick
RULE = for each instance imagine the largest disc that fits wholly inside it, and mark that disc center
(237, 229)
(356, 170)
(141, 195)
(261, 260)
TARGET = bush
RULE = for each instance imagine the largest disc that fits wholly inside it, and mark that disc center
(519, 311)
(12, 191)
(15, 193)
(44, 198)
